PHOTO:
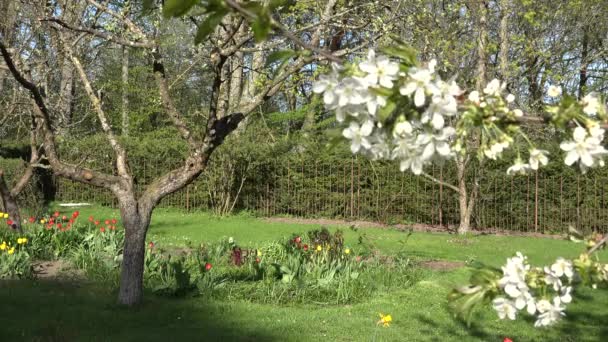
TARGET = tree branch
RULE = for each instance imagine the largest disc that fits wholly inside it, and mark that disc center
(453, 187)
(121, 154)
(100, 34)
(41, 111)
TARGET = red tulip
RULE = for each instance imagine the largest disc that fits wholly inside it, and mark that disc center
(113, 227)
(97, 223)
(208, 266)
(107, 222)
(71, 220)
(56, 214)
(75, 214)
(297, 239)
(9, 222)
(114, 221)
(32, 219)
(507, 340)
(64, 217)
(151, 245)
(91, 219)
(102, 229)
(49, 226)
(52, 221)
(59, 226)
(305, 248)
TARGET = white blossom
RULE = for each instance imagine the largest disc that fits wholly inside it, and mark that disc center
(565, 296)
(494, 88)
(552, 279)
(497, 148)
(518, 167)
(474, 97)
(419, 83)
(358, 135)
(505, 308)
(584, 147)
(351, 91)
(402, 129)
(554, 91)
(563, 267)
(549, 312)
(510, 98)
(591, 104)
(326, 85)
(438, 143)
(380, 70)
(538, 157)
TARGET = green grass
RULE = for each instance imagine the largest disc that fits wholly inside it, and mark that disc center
(53, 311)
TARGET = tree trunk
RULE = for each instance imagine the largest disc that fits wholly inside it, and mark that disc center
(503, 57)
(10, 204)
(125, 89)
(582, 82)
(482, 42)
(465, 214)
(136, 221)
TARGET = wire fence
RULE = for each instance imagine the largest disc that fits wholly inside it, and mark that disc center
(358, 189)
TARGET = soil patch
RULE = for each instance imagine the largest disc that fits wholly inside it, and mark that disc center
(442, 265)
(54, 269)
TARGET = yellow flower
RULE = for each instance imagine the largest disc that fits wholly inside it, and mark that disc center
(347, 251)
(43, 221)
(22, 241)
(11, 251)
(319, 248)
(3, 246)
(5, 215)
(259, 253)
(385, 320)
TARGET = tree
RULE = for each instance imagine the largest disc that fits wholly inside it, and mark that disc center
(112, 24)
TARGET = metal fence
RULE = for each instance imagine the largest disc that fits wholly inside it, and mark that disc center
(358, 189)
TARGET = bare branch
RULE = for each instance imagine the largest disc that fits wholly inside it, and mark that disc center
(41, 111)
(283, 30)
(121, 154)
(122, 18)
(100, 34)
(161, 81)
(453, 187)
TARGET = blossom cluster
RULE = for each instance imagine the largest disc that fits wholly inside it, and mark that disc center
(403, 112)
(520, 283)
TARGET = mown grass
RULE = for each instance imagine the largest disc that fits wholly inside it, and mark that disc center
(63, 311)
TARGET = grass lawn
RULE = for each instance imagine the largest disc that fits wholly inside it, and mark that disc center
(64, 311)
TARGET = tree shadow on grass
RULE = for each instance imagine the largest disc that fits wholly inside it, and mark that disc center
(63, 311)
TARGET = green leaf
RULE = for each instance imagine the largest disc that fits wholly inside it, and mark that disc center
(261, 27)
(208, 26)
(280, 56)
(385, 112)
(177, 8)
